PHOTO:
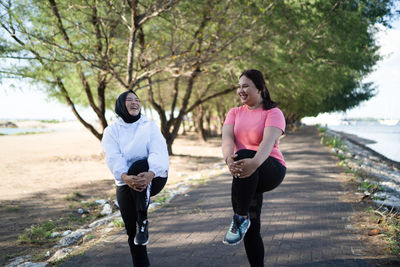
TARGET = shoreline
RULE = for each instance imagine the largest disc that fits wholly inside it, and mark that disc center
(378, 176)
(363, 142)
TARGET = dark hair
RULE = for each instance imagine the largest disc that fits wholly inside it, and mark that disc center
(258, 79)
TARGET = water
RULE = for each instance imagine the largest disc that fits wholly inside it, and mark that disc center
(21, 130)
(387, 137)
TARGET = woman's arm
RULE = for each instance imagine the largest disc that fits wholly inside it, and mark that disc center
(114, 158)
(246, 167)
(228, 146)
(228, 142)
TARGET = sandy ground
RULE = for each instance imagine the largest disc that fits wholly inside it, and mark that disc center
(70, 156)
(39, 170)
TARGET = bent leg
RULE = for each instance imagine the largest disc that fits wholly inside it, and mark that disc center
(157, 185)
(271, 174)
(141, 198)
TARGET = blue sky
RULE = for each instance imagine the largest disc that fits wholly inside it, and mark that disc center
(23, 102)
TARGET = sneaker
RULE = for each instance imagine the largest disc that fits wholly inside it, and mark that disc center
(237, 230)
(142, 234)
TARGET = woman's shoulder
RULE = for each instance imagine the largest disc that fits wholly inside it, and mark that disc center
(275, 110)
(237, 109)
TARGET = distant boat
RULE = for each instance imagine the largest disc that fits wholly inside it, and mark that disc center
(389, 122)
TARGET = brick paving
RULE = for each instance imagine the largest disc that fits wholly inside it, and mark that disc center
(304, 222)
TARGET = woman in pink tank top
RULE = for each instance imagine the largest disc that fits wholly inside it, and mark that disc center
(250, 146)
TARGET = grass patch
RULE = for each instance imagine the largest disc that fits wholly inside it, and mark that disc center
(75, 196)
(368, 186)
(196, 211)
(160, 199)
(393, 234)
(6, 256)
(37, 234)
(334, 142)
(118, 223)
(321, 130)
(390, 227)
(11, 208)
(50, 121)
(89, 204)
(26, 133)
(89, 237)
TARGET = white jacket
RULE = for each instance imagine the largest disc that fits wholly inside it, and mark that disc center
(125, 143)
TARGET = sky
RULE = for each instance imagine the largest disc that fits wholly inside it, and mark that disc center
(24, 101)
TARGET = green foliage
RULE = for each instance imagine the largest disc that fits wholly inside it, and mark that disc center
(334, 142)
(366, 185)
(393, 234)
(161, 199)
(118, 223)
(37, 234)
(50, 121)
(26, 133)
(314, 54)
(11, 208)
(75, 196)
(322, 130)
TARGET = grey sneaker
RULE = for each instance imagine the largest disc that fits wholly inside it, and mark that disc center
(142, 233)
(237, 230)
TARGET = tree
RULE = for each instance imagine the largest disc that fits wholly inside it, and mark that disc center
(182, 54)
(198, 36)
(318, 52)
(76, 48)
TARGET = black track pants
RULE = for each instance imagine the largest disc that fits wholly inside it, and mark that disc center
(133, 206)
(247, 198)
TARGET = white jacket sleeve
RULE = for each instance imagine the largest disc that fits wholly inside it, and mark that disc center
(115, 160)
(158, 154)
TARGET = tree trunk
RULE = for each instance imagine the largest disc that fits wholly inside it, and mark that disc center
(199, 114)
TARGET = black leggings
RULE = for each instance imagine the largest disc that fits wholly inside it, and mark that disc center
(133, 206)
(247, 198)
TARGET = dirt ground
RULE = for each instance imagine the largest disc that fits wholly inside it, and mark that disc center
(38, 171)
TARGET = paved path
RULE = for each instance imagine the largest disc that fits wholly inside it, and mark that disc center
(304, 223)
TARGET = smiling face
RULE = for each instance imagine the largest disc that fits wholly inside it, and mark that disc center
(248, 93)
(132, 104)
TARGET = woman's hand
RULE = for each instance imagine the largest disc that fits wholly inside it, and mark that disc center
(143, 180)
(232, 167)
(130, 180)
(138, 182)
(244, 168)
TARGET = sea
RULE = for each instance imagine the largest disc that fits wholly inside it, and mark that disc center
(386, 137)
(12, 131)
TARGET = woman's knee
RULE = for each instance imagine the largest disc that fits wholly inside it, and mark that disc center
(245, 154)
(138, 167)
(157, 185)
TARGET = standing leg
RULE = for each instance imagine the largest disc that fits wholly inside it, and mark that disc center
(126, 201)
(243, 189)
(141, 198)
(271, 175)
(141, 204)
(142, 201)
(253, 242)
